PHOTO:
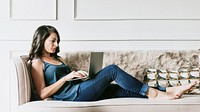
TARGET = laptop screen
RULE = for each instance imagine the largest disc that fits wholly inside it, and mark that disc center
(96, 62)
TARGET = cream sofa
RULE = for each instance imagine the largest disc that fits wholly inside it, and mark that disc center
(134, 62)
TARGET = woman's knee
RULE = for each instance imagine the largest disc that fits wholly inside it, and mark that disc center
(113, 66)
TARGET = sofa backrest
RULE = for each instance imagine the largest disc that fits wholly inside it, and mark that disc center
(136, 61)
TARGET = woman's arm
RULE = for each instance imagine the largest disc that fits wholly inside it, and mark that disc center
(39, 82)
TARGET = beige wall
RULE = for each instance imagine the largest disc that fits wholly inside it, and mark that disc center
(98, 25)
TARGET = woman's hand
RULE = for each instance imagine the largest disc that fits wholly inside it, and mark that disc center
(84, 73)
(74, 75)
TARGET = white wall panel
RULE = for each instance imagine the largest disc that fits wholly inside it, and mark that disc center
(137, 9)
(33, 9)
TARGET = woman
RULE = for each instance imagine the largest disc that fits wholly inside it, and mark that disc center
(53, 78)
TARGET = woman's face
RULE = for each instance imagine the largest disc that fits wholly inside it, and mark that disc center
(51, 43)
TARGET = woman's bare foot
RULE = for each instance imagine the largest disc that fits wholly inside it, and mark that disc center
(154, 94)
(180, 90)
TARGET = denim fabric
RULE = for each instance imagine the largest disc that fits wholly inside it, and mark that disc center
(100, 87)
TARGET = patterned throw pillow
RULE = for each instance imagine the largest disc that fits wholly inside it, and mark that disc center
(169, 78)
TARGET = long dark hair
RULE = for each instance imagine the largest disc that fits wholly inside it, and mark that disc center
(39, 37)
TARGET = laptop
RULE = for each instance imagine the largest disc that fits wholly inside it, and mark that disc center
(96, 62)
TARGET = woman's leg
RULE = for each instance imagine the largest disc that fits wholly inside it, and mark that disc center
(93, 88)
(115, 91)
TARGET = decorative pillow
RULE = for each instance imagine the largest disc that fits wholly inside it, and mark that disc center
(169, 78)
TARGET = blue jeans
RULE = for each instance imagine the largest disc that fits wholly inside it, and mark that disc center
(99, 87)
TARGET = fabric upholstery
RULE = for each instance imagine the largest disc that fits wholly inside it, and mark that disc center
(23, 81)
(77, 60)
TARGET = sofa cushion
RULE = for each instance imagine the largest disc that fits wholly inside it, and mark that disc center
(169, 78)
(188, 103)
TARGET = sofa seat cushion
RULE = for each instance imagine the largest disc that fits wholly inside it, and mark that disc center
(188, 103)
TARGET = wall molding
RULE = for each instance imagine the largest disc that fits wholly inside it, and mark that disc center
(25, 10)
(129, 10)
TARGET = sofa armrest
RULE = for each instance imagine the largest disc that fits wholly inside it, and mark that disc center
(20, 91)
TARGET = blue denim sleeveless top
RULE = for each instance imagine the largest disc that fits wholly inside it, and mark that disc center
(53, 73)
